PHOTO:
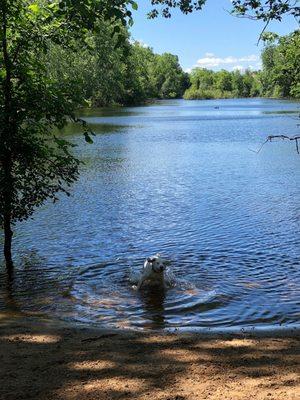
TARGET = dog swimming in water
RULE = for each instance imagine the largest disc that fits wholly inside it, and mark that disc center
(153, 271)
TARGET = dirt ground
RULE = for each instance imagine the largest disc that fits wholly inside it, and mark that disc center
(46, 360)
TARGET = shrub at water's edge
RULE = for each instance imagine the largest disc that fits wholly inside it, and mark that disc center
(208, 84)
(207, 94)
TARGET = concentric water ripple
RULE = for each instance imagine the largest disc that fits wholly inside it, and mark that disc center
(177, 178)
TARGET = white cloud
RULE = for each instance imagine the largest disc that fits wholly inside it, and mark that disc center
(211, 61)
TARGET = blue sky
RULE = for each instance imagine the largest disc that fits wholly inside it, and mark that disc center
(209, 38)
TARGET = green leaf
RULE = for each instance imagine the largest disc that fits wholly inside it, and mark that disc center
(2, 73)
(134, 5)
(34, 8)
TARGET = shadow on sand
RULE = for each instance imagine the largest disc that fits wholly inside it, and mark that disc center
(46, 360)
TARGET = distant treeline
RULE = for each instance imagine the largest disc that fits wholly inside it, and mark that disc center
(207, 84)
(279, 77)
(112, 69)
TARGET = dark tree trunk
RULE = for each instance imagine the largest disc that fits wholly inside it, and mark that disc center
(6, 136)
(8, 234)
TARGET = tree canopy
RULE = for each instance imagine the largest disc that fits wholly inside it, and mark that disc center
(266, 10)
(208, 84)
(281, 69)
(116, 70)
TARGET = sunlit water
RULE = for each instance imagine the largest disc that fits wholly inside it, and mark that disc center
(176, 177)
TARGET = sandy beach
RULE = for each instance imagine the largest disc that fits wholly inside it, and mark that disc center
(43, 359)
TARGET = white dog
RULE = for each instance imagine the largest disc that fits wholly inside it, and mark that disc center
(153, 271)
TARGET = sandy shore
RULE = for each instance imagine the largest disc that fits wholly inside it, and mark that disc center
(40, 359)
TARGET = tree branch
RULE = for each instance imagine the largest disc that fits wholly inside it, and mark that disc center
(283, 137)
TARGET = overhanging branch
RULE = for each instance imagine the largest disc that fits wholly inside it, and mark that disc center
(283, 137)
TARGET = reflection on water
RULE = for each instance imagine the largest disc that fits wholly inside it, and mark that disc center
(152, 300)
(177, 178)
(97, 127)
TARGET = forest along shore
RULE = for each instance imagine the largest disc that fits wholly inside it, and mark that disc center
(41, 359)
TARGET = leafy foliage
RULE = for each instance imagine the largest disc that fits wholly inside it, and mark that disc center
(266, 10)
(207, 84)
(35, 164)
(186, 6)
(281, 70)
(115, 70)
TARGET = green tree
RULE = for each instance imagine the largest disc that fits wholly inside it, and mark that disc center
(281, 72)
(202, 78)
(202, 84)
(142, 61)
(95, 68)
(207, 84)
(169, 79)
(247, 83)
(268, 60)
(237, 84)
(36, 164)
(223, 81)
(287, 68)
(256, 89)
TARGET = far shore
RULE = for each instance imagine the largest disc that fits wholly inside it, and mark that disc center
(46, 359)
(149, 102)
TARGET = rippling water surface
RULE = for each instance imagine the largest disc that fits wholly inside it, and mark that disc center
(177, 177)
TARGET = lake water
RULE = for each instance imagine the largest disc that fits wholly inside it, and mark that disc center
(180, 178)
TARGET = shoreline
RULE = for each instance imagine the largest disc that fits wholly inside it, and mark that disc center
(252, 331)
(150, 102)
(47, 359)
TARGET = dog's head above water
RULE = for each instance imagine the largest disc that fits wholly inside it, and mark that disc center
(156, 263)
(154, 268)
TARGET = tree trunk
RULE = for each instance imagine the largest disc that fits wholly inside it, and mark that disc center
(8, 234)
(6, 136)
